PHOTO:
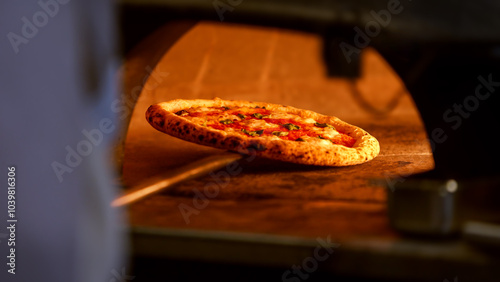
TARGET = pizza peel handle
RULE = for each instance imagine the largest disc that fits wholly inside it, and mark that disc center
(187, 172)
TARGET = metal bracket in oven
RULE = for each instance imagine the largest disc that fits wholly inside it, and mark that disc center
(443, 207)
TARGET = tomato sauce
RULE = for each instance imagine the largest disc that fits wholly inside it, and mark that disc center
(293, 134)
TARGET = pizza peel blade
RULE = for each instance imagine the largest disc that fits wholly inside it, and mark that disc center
(162, 182)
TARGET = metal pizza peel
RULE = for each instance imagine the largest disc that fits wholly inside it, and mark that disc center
(163, 182)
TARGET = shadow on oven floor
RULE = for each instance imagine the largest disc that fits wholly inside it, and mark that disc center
(152, 269)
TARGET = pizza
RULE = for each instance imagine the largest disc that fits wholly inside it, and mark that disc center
(269, 130)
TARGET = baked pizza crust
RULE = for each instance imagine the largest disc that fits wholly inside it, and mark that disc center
(163, 118)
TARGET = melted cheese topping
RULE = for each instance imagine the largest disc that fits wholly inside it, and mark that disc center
(262, 123)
